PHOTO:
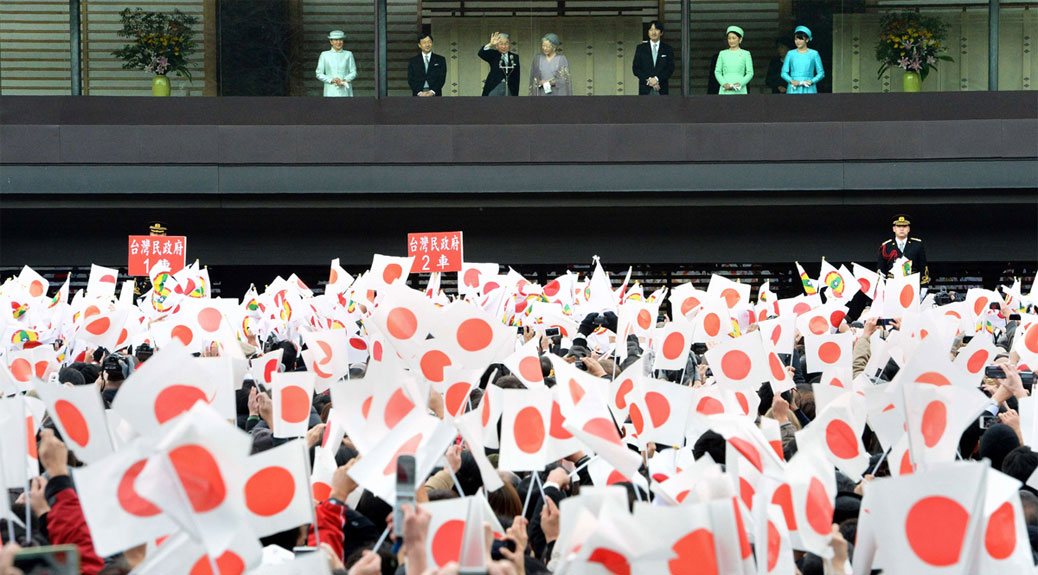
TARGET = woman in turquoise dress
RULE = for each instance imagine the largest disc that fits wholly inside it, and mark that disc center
(734, 66)
(803, 66)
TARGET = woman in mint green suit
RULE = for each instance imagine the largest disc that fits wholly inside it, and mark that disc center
(734, 66)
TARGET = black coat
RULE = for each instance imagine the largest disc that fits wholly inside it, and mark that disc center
(644, 69)
(436, 76)
(889, 253)
(493, 57)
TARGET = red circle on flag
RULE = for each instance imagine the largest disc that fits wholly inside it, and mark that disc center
(555, 429)
(613, 562)
(99, 325)
(712, 324)
(471, 278)
(366, 406)
(122, 338)
(486, 409)
(841, 440)
(398, 406)
(401, 323)
(1000, 535)
(21, 369)
(774, 546)
(200, 476)
(1031, 338)
(906, 467)
(432, 364)
(36, 288)
(91, 310)
(181, 332)
(978, 360)
(736, 364)
(455, 397)
(933, 378)
(391, 273)
(829, 352)
(783, 497)
(73, 421)
(603, 428)
(776, 334)
(376, 350)
(864, 285)
(746, 492)
(326, 350)
(659, 408)
(41, 367)
(321, 491)
(358, 343)
(576, 392)
(778, 371)
(801, 308)
(475, 334)
(935, 419)
(744, 403)
(979, 304)
(818, 508)
(818, 325)
(127, 496)
(530, 368)
(936, 529)
(295, 404)
(626, 386)
(747, 450)
(636, 418)
(270, 369)
(446, 543)
(209, 319)
(528, 430)
(907, 296)
(674, 345)
(408, 448)
(228, 563)
(744, 541)
(269, 491)
(644, 319)
(176, 399)
(696, 554)
(709, 406)
(731, 297)
(836, 317)
(552, 288)
(689, 304)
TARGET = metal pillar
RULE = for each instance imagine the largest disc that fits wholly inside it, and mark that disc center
(76, 46)
(686, 48)
(381, 76)
(993, 6)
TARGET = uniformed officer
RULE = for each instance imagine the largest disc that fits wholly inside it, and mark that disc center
(902, 245)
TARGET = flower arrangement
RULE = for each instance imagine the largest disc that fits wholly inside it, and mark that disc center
(160, 42)
(911, 41)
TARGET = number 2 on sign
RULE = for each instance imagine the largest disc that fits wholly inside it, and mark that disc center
(425, 263)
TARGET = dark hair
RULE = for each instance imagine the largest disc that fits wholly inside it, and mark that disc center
(288, 357)
(657, 23)
(509, 382)
(800, 36)
(1029, 503)
(783, 41)
(69, 375)
(710, 442)
(505, 501)
(1020, 463)
(441, 494)
(423, 36)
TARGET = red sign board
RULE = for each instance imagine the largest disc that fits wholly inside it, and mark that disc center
(435, 252)
(145, 252)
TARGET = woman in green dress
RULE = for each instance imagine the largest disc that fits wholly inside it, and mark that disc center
(734, 66)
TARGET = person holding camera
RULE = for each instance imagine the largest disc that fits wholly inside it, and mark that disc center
(903, 246)
(114, 371)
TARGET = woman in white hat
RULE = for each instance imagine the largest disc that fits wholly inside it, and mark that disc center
(734, 66)
(803, 66)
(336, 68)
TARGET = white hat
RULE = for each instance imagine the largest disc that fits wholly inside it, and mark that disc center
(336, 35)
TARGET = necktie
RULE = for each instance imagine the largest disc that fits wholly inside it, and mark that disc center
(655, 51)
(426, 62)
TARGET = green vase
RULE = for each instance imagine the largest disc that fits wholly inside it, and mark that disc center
(160, 86)
(913, 82)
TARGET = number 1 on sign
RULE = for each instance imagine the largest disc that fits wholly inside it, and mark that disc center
(147, 266)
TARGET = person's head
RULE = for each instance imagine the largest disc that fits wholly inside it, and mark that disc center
(997, 441)
(801, 36)
(505, 501)
(549, 44)
(425, 43)
(655, 30)
(1029, 501)
(902, 225)
(504, 43)
(1020, 463)
(336, 39)
(69, 375)
(734, 36)
(288, 355)
(712, 443)
(509, 382)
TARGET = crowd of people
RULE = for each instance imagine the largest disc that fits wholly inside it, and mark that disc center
(799, 71)
(582, 426)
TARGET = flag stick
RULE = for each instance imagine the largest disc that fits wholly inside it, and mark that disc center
(541, 487)
(574, 473)
(529, 491)
(28, 514)
(457, 484)
(880, 462)
(10, 531)
(381, 539)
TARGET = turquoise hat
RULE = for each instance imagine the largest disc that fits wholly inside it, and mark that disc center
(805, 30)
(735, 29)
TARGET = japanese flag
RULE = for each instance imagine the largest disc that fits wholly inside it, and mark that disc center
(778, 334)
(326, 356)
(931, 365)
(388, 271)
(472, 336)
(293, 393)
(836, 433)
(105, 330)
(455, 388)
(266, 367)
(101, 283)
(774, 548)
(33, 282)
(799, 305)
(338, 279)
(739, 360)
(672, 344)
(866, 279)
(812, 485)
(1026, 343)
(936, 417)
(822, 320)
(712, 323)
(447, 526)
(978, 301)
(525, 364)
(590, 422)
(162, 389)
(472, 277)
(490, 409)
(828, 351)
(731, 294)
(660, 411)
(1005, 546)
(117, 515)
(525, 421)
(277, 488)
(622, 389)
(15, 443)
(195, 477)
(79, 415)
(323, 470)
(686, 299)
(180, 554)
(469, 427)
(901, 296)
(927, 522)
(638, 318)
(405, 317)
(394, 398)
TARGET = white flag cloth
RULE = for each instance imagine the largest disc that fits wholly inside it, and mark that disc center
(277, 488)
(293, 393)
(79, 415)
(162, 389)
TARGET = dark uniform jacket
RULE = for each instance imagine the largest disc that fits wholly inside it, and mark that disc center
(436, 76)
(914, 251)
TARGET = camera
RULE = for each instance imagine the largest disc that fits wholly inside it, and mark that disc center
(942, 298)
(699, 348)
(116, 367)
(987, 420)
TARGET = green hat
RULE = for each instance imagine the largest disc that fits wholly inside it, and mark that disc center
(735, 29)
(337, 35)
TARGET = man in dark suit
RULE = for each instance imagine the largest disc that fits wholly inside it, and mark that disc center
(503, 78)
(426, 72)
(903, 246)
(653, 63)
